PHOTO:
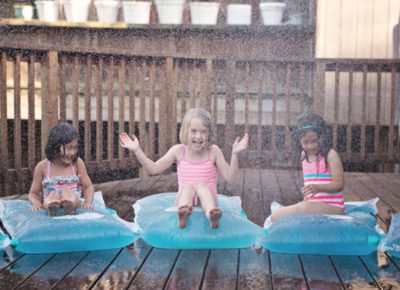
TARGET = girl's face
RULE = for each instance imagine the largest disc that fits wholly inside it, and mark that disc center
(311, 143)
(197, 135)
(68, 152)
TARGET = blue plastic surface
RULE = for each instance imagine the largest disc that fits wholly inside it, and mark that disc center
(355, 233)
(36, 232)
(158, 221)
(391, 243)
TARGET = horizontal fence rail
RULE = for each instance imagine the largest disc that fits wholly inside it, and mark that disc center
(103, 94)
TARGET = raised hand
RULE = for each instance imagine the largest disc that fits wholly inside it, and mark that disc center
(126, 142)
(240, 145)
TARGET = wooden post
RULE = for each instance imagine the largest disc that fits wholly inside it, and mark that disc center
(319, 88)
(49, 95)
(5, 163)
(230, 106)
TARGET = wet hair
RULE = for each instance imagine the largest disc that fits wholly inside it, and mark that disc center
(196, 113)
(59, 136)
(310, 122)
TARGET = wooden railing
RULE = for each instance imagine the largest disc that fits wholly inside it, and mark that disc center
(103, 92)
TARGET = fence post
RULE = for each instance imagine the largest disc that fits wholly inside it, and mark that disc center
(5, 163)
(49, 95)
(230, 106)
(319, 88)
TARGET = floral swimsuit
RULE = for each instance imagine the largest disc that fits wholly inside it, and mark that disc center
(59, 183)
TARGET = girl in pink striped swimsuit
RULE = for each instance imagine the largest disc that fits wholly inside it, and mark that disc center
(198, 164)
(322, 171)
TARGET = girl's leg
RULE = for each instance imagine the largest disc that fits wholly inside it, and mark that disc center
(306, 207)
(69, 201)
(209, 204)
(52, 202)
(184, 202)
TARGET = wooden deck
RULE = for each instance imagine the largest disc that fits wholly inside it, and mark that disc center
(144, 267)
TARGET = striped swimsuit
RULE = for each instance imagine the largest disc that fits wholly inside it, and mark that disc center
(322, 175)
(194, 173)
(59, 183)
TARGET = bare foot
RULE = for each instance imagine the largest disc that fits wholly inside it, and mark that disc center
(183, 214)
(52, 208)
(68, 207)
(215, 215)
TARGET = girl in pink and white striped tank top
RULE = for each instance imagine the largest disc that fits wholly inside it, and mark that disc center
(322, 170)
(315, 172)
(198, 164)
(194, 173)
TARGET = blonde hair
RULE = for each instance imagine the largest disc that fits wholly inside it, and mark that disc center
(195, 113)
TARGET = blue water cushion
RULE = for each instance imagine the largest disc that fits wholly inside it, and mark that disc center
(157, 219)
(391, 243)
(37, 232)
(355, 233)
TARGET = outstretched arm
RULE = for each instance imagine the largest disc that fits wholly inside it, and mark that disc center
(151, 167)
(228, 171)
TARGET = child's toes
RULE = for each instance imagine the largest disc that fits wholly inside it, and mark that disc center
(183, 214)
(215, 216)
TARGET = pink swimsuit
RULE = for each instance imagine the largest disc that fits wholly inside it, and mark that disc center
(322, 175)
(194, 173)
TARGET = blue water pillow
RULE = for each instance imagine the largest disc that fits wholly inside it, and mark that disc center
(391, 243)
(37, 232)
(355, 233)
(157, 219)
(4, 240)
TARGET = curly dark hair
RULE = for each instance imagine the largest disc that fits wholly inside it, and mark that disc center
(312, 122)
(60, 135)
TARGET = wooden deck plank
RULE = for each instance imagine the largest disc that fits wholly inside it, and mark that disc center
(155, 271)
(86, 273)
(387, 277)
(144, 267)
(356, 188)
(376, 188)
(254, 272)
(53, 271)
(221, 272)
(286, 272)
(353, 273)
(320, 273)
(253, 203)
(270, 190)
(188, 271)
(9, 256)
(383, 192)
(235, 187)
(124, 268)
(22, 269)
(389, 181)
(288, 189)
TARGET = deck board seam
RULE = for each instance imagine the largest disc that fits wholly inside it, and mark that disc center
(139, 268)
(337, 273)
(68, 272)
(370, 273)
(204, 270)
(35, 271)
(105, 269)
(303, 271)
(172, 269)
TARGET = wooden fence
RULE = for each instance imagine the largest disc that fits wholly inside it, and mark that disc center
(105, 94)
